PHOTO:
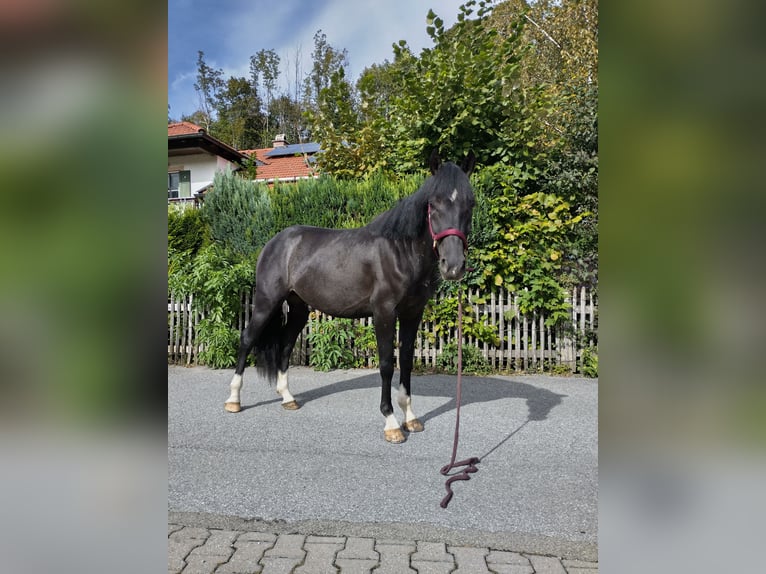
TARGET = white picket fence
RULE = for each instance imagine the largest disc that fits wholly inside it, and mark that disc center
(526, 344)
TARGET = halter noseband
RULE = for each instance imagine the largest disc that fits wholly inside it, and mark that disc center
(446, 233)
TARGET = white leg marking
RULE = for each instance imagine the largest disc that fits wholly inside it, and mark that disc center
(236, 385)
(391, 423)
(405, 403)
(282, 387)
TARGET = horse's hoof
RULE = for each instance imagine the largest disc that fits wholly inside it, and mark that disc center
(394, 435)
(232, 407)
(291, 406)
(413, 426)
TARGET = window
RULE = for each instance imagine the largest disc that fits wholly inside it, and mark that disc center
(179, 184)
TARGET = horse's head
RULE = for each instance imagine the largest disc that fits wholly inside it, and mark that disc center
(450, 205)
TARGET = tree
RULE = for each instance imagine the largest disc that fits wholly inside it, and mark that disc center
(561, 40)
(376, 87)
(264, 71)
(196, 117)
(286, 117)
(240, 120)
(561, 50)
(573, 174)
(463, 94)
(329, 101)
(335, 116)
(208, 85)
(326, 61)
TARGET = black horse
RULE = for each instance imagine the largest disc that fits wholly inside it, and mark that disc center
(387, 270)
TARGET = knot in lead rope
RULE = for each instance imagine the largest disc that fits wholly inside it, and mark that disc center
(469, 463)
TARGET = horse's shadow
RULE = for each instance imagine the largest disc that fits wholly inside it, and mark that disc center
(539, 401)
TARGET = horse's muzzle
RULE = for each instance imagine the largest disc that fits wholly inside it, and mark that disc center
(451, 273)
(451, 252)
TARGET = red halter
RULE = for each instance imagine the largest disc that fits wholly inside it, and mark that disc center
(447, 232)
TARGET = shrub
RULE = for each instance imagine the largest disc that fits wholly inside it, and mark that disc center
(443, 314)
(560, 369)
(472, 361)
(217, 280)
(341, 344)
(331, 344)
(187, 232)
(239, 214)
(589, 362)
(221, 343)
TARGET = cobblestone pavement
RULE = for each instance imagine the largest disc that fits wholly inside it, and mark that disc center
(195, 550)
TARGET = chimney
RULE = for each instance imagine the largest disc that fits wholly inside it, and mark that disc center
(279, 140)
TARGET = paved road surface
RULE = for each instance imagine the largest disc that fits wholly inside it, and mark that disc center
(326, 470)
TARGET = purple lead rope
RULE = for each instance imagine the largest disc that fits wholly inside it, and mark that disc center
(469, 463)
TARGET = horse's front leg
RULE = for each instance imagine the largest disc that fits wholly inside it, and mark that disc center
(384, 333)
(408, 329)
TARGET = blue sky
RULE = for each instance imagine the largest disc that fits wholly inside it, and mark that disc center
(230, 31)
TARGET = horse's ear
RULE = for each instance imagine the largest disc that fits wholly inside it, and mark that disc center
(469, 163)
(434, 161)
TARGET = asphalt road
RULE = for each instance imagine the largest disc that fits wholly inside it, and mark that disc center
(327, 468)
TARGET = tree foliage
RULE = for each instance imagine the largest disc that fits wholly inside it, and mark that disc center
(208, 85)
(239, 117)
(462, 94)
(327, 61)
(264, 72)
(572, 174)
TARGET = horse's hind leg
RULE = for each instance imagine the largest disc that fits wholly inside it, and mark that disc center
(263, 314)
(246, 342)
(408, 329)
(297, 316)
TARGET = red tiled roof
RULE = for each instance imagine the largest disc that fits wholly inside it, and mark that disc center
(183, 128)
(284, 167)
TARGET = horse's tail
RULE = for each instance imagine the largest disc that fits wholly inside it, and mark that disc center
(268, 347)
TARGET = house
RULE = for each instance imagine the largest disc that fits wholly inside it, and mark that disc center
(193, 158)
(284, 162)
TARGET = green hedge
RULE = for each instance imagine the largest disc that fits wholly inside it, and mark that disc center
(187, 232)
(329, 202)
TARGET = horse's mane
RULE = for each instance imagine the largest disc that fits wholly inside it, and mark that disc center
(407, 219)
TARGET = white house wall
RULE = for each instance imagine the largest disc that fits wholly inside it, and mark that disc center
(201, 166)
